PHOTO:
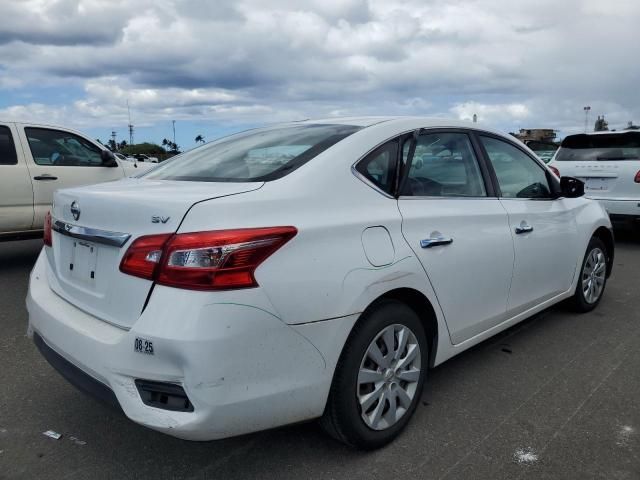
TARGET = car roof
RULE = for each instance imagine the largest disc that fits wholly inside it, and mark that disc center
(606, 132)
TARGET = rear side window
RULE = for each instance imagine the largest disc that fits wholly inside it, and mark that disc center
(379, 166)
(253, 156)
(62, 149)
(519, 176)
(444, 165)
(603, 147)
(7, 147)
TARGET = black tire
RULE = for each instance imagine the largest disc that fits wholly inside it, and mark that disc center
(342, 416)
(579, 302)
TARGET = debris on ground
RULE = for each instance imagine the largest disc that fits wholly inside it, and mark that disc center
(52, 434)
(525, 456)
(77, 441)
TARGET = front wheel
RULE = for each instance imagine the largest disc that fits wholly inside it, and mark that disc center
(379, 377)
(593, 277)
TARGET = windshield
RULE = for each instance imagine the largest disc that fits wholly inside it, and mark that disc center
(256, 155)
(614, 146)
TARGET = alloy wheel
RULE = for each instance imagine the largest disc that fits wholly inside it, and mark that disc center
(593, 275)
(388, 376)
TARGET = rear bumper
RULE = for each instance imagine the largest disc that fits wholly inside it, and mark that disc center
(620, 208)
(242, 368)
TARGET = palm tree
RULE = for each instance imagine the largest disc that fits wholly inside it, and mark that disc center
(166, 144)
(199, 139)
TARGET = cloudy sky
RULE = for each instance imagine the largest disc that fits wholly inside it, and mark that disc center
(220, 66)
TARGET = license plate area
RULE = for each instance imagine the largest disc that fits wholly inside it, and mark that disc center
(83, 262)
(596, 183)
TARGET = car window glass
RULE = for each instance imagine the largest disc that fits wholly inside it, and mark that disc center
(380, 165)
(7, 147)
(256, 155)
(61, 149)
(519, 176)
(444, 165)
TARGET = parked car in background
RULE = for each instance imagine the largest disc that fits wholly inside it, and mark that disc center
(125, 158)
(141, 157)
(609, 164)
(544, 150)
(36, 160)
(312, 269)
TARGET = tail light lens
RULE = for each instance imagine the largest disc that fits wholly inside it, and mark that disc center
(555, 171)
(47, 230)
(215, 260)
(637, 177)
(144, 256)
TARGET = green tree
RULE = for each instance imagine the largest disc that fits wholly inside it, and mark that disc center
(199, 139)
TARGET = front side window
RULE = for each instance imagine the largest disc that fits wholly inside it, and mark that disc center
(61, 149)
(253, 156)
(7, 147)
(519, 176)
(444, 165)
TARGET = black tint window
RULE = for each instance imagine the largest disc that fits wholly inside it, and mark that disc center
(61, 149)
(600, 147)
(519, 176)
(7, 148)
(444, 165)
(380, 165)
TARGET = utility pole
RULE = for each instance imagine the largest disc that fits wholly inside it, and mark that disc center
(130, 125)
(174, 134)
(113, 140)
(586, 117)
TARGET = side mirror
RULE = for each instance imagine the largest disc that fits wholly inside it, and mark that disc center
(571, 187)
(108, 159)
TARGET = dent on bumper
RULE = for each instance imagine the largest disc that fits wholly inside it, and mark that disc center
(243, 369)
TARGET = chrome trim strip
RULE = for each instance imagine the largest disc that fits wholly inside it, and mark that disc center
(114, 239)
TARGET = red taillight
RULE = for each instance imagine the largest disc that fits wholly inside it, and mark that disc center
(144, 255)
(215, 260)
(555, 171)
(47, 229)
(637, 177)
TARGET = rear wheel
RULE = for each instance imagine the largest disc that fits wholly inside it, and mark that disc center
(379, 378)
(593, 277)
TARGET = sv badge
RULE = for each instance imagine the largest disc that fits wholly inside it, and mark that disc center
(159, 219)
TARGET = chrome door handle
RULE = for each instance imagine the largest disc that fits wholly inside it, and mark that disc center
(46, 176)
(524, 228)
(435, 241)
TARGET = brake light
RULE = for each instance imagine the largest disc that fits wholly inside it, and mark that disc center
(214, 260)
(637, 177)
(555, 171)
(144, 255)
(47, 230)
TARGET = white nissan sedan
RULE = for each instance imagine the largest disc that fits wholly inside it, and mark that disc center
(314, 269)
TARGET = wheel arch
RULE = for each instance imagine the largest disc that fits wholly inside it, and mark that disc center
(605, 235)
(420, 304)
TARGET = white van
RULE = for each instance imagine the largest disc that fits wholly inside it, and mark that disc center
(609, 165)
(36, 160)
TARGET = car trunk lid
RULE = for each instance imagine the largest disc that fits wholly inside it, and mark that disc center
(94, 226)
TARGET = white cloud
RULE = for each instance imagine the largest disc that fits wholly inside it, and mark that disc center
(512, 63)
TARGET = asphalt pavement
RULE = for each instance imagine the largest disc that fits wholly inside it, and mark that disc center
(556, 397)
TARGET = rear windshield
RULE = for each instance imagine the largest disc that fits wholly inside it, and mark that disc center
(256, 155)
(614, 146)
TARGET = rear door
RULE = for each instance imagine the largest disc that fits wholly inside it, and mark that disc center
(543, 227)
(61, 159)
(16, 194)
(458, 229)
